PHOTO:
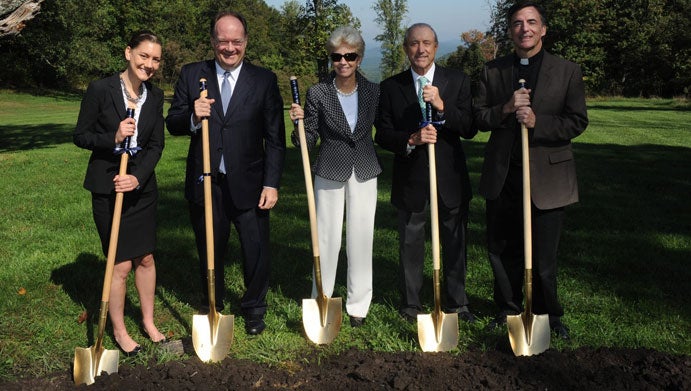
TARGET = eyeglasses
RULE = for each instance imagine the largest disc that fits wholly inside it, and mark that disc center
(236, 43)
(336, 57)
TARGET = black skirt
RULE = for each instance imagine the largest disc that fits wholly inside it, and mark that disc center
(137, 235)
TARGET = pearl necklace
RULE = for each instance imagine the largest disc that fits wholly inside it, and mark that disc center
(341, 93)
(127, 94)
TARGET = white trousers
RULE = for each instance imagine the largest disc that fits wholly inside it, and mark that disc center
(359, 199)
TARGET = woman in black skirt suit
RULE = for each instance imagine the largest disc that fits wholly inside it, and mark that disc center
(102, 127)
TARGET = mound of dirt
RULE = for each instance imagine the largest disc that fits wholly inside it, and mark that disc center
(580, 369)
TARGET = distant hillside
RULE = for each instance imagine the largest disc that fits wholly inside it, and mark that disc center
(370, 64)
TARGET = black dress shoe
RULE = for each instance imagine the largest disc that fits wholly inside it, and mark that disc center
(408, 317)
(356, 321)
(499, 321)
(560, 330)
(255, 326)
(467, 316)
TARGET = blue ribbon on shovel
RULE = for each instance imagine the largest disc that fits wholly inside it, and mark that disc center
(127, 149)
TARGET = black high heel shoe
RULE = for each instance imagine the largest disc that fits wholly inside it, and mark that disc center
(137, 349)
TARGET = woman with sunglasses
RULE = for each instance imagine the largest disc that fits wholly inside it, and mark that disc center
(340, 112)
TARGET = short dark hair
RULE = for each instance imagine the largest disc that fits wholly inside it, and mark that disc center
(143, 35)
(525, 4)
(222, 14)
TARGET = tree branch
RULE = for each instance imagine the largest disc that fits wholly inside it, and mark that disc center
(20, 14)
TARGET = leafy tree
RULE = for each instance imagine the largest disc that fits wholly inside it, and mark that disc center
(470, 57)
(390, 15)
(629, 47)
(325, 16)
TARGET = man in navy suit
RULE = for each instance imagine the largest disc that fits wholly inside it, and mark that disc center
(400, 130)
(247, 151)
(552, 106)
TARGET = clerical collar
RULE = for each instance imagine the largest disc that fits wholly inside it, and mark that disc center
(530, 60)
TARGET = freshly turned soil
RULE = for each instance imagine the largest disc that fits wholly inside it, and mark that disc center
(580, 369)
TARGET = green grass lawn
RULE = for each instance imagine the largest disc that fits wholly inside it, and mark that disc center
(624, 255)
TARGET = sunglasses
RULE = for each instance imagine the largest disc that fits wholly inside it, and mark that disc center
(336, 57)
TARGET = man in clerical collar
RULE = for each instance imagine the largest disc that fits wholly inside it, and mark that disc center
(551, 104)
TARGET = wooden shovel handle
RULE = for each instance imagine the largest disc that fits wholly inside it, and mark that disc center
(527, 220)
(307, 171)
(115, 224)
(434, 205)
(433, 201)
(206, 174)
(114, 233)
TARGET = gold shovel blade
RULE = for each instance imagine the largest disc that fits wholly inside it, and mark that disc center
(88, 364)
(317, 330)
(212, 336)
(437, 335)
(528, 335)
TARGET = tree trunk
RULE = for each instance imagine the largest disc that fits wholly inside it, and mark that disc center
(15, 14)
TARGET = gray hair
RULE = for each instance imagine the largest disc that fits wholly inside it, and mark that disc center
(346, 35)
(416, 25)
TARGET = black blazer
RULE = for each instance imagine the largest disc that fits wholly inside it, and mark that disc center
(251, 136)
(341, 150)
(399, 116)
(561, 115)
(102, 110)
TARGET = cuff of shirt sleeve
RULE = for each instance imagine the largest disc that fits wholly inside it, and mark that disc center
(194, 128)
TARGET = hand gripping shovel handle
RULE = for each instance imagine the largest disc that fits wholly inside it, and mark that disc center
(309, 188)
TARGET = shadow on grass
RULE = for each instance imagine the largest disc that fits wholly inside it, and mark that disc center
(630, 233)
(629, 236)
(26, 137)
(82, 280)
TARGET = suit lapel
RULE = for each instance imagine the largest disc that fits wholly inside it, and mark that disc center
(544, 81)
(116, 96)
(147, 114)
(243, 86)
(506, 74)
(440, 80)
(213, 91)
(362, 108)
(407, 88)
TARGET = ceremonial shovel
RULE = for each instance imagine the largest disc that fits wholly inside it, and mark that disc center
(528, 333)
(91, 362)
(321, 317)
(438, 331)
(212, 334)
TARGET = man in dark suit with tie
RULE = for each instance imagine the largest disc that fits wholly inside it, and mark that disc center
(247, 151)
(552, 106)
(400, 130)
